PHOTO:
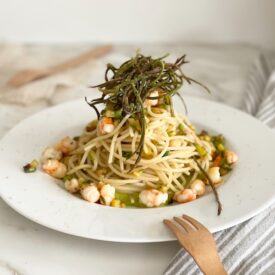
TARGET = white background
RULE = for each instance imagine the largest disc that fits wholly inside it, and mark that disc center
(251, 21)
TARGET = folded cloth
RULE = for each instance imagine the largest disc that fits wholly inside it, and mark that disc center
(44, 90)
(248, 248)
(51, 90)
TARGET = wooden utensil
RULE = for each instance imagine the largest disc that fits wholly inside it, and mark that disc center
(198, 242)
(26, 76)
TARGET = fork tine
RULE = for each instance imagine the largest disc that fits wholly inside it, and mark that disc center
(187, 227)
(172, 226)
(194, 222)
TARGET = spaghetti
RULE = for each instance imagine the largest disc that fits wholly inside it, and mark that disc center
(140, 152)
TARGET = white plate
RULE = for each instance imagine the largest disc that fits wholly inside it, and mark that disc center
(249, 189)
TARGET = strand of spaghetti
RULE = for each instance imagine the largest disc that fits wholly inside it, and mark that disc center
(184, 119)
(146, 150)
(165, 180)
(204, 164)
(192, 132)
(79, 167)
(93, 175)
(129, 176)
(168, 172)
(114, 153)
(183, 179)
(151, 113)
(81, 174)
(131, 132)
(121, 163)
(120, 181)
(158, 125)
(93, 160)
(151, 184)
(101, 153)
(83, 139)
(171, 121)
(173, 148)
(143, 175)
(108, 175)
(71, 161)
(179, 185)
(116, 146)
(152, 125)
(184, 138)
(123, 137)
(194, 176)
(104, 155)
(84, 157)
(152, 146)
(126, 147)
(148, 171)
(129, 189)
(207, 147)
(172, 170)
(161, 125)
(160, 157)
(112, 148)
(134, 140)
(188, 152)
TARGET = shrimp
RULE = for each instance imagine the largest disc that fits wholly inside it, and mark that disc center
(214, 174)
(51, 153)
(198, 187)
(185, 195)
(72, 185)
(152, 197)
(55, 168)
(106, 126)
(231, 157)
(107, 193)
(90, 193)
(66, 145)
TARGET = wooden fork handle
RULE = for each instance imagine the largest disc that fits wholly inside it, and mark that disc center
(93, 53)
(210, 265)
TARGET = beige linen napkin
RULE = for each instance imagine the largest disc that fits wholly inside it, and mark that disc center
(53, 89)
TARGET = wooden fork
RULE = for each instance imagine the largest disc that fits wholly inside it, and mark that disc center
(198, 242)
(26, 76)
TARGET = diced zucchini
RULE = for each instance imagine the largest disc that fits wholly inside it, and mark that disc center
(30, 167)
(109, 113)
(129, 199)
(201, 150)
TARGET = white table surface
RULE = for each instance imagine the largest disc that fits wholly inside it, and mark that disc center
(27, 248)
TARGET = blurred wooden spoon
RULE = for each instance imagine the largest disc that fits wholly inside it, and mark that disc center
(26, 76)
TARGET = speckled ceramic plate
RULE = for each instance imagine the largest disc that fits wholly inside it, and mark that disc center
(249, 189)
